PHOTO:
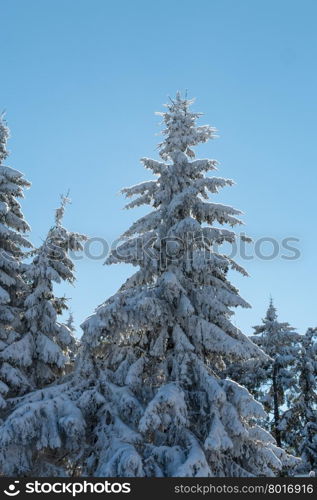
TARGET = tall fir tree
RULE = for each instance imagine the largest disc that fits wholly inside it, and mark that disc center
(13, 244)
(42, 352)
(299, 422)
(277, 378)
(145, 398)
(48, 344)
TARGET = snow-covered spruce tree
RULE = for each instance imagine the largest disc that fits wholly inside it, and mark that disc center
(74, 346)
(299, 423)
(281, 343)
(70, 323)
(13, 243)
(145, 398)
(44, 351)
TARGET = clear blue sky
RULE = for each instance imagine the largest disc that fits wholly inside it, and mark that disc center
(81, 79)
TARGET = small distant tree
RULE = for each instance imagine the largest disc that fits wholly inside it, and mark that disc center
(276, 379)
(299, 423)
(49, 342)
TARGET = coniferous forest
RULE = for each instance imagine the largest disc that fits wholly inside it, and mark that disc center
(158, 381)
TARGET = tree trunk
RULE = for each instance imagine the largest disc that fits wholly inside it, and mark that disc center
(277, 431)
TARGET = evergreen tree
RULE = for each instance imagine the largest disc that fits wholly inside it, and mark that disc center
(13, 244)
(41, 353)
(48, 344)
(277, 378)
(145, 398)
(299, 423)
(70, 323)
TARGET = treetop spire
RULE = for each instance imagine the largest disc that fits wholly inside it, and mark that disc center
(4, 135)
(271, 314)
(181, 132)
(147, 397)
(60, 211)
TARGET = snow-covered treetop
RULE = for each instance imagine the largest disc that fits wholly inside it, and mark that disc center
(4, 135)
(181, 132)
(51, 259)
(12, 182)
(12, 227)
(278, 340)
(271, 314)
(70, 321)
(60, 211)
(12, 174)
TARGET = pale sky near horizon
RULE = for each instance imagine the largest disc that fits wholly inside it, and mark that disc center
(81, 80)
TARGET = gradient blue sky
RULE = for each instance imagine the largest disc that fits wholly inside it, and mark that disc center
(81, 79)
